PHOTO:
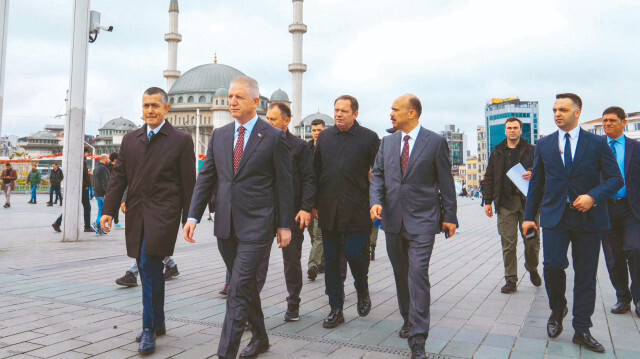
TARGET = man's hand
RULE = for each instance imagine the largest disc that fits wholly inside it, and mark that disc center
(488, 210)
(284, 237)
(105, 223)
(376, 212)
(527, 176)
(314, 213)
(584, 203)
(526, 225)
(123, 208)
(304, 218)
(189, 228)
(450, 226)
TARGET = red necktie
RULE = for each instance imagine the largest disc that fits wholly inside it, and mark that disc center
(237, 152)
(405, 154)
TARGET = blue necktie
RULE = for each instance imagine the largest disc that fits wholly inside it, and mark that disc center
(150, 135)
(568, 160)
(612, 144)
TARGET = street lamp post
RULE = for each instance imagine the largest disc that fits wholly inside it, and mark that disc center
(4, 20)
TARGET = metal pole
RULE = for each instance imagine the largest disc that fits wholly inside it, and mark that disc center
(197, 141)
(4, 21)
(74, 129)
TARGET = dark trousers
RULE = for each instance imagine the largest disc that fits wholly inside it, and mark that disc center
(410, 255)
(355, 246)
(291, 255)
(55, 189)
(621, 246)
(242, 259)
(585, 250)
(86, 204)
(152, 279)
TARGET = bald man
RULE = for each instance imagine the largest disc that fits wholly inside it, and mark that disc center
(413, 193)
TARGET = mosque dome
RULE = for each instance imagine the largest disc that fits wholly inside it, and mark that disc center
(207, 78)
(222, 92)
(328, 120)
(119, 124)
(43, 135)
(279, 96)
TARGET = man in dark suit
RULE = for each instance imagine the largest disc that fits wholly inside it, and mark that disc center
(574, 174)
(249, 164)
(621, 244)
(411, 189)
(157, 163)
(316, 254)
(304, 190)
(343, 156)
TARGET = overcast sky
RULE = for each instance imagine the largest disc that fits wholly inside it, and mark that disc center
(455, 55)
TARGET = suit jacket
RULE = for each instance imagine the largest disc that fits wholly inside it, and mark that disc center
(425, 192)
(304, 182)
(632, 174)
(249, 200)
(160, 175)
(594, 171)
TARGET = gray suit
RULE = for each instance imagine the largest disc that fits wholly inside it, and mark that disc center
(414, 206)
(250, 205)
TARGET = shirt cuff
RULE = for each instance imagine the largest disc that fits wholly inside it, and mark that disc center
(192, 220)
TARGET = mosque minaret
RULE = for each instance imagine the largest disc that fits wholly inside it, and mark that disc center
(297, 68)
(172, 38)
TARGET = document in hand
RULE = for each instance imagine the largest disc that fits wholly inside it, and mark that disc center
(515, 175)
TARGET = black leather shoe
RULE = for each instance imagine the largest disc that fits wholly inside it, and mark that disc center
(292, 314)
(312, 273)
(620, 308)
(535, 278)
(404, 331)
(147, 342)
(334, 318)
(255, 347)
(159, 333)
(364, 303)
(417, 351)
(589, 342)
(554, 324)
(56, 227)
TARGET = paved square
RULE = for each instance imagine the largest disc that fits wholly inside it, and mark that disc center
(59, 300)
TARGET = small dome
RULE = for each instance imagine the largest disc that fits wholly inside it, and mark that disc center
(205, 78)
(222, 92)
(328, 120)
(43, 135)
(119, 124)
(279, 96)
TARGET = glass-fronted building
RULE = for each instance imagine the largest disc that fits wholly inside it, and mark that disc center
(498, 110)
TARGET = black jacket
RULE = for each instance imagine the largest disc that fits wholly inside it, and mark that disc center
(56, 177)
(495, 170)
(304, 181)
(100, 179)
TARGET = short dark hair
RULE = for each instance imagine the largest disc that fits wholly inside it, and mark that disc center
(618, 111)
(571, 96)
(8, 164)
(157, 90)
(113, 156)
(415, 104)
(352, 100)
(285, 111)
(317, 122)
(513, 119)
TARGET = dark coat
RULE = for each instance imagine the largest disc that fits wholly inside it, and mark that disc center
(492, 183)
(160, 175)
(594, 171)
(632, 175)
(248, 200)
(100, 179)
(304, 182)
(56, 177)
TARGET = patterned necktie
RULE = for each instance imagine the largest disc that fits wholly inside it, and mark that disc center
(405, 154)
(568, 159)
(237, 152)
(612, 144)
(150, 135)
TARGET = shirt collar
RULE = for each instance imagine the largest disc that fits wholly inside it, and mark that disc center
(620, 139)
(247, 126)
(573, 133)
(352, 130)
(156, 130)
(413, 134)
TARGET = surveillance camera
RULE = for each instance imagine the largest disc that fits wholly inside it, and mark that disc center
(94, 26)
(107, 28)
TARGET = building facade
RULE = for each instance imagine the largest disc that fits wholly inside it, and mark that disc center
(473, 180)
(483, 153)
(41, 143)
(497, 111)
(110, 135)
(457, 146)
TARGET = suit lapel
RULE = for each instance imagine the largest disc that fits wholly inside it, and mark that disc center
(555, 149)
(142, 135)
(226, 136)
(254, 140)
(583, 143)
(394, 161)
(628, 152)
(418, 147)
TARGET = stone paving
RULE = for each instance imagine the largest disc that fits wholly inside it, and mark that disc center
(59, 300)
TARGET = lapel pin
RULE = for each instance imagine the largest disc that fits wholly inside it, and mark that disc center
(259, 135)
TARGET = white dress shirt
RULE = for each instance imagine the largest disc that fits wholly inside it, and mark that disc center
(573, 137)
(412, 139)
